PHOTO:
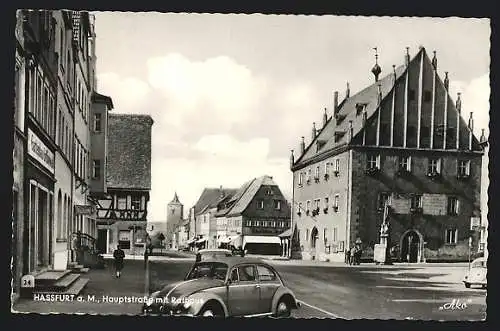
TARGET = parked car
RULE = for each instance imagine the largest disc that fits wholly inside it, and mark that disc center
(225, 287)
(476, 275)
(215, 253)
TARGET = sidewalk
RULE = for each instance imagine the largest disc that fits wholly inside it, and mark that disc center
(101, 295)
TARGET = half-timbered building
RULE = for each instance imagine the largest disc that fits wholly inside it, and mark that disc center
(122, 204)
(402, 149)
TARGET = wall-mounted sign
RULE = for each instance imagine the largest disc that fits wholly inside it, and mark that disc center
(84, 210)
(40, 152)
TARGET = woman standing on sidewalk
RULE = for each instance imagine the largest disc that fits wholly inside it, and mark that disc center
(118, 255)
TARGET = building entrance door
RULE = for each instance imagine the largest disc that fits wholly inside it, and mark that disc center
(410, 244)
(102, 238)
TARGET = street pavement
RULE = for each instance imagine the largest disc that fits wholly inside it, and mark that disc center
(326, 290)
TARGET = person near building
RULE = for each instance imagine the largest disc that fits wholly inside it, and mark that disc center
(119, 256)
(347, 256)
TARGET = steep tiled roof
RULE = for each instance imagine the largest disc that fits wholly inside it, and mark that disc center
(247, 192)
(209, 198)
(129, 151)
(347, 112)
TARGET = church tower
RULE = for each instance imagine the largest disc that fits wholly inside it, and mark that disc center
(175, 211)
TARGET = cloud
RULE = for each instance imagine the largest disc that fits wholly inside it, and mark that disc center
(222, 91)
(475, 98)
(129, 94)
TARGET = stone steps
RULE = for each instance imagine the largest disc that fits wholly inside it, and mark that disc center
(74, 289)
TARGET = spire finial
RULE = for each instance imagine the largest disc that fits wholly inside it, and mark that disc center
(458, 104)
(376, 70)
(407, 56)
(446, 80)
(434, 60)
(348, 91)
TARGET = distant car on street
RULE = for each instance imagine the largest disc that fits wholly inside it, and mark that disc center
(214, 253)
(225, 287)
(476, 275)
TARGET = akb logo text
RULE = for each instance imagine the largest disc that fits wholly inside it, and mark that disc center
(455, 304)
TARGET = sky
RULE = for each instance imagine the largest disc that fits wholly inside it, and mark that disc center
(231, 95)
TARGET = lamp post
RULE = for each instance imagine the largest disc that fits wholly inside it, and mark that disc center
(470, 244)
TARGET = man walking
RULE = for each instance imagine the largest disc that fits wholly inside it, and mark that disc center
(118, 255)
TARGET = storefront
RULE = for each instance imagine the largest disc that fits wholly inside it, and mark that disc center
(39, 218)
(265, 245)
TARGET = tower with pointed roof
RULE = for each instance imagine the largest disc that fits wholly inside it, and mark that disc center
(399, 151)
(175, 211)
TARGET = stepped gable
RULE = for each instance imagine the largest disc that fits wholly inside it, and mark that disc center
(347, 112)
(129, 151)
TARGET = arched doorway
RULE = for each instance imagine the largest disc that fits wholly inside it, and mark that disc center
(411, 246)
(314, 240)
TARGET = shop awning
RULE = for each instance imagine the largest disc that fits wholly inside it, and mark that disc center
(261, 240)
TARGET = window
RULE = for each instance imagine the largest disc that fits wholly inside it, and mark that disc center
(337, 165)
(307, 234)
(301, 179)
(316, 175)
(273, 224)
(326, 202)
(269, 192)
(425, 132)
(327, 168)
(97, 122)
(451, 236)
(234, 275)
(122, 203)
(265, 274)
(325, 236)
(246, 273)
(427, 96)
(335, 235)
(309, 172)
(308, 205)
(463, 168)
(411, 95)
(316, 204)
(453, 206)
(260, 204)
(136, 203)
(299, 208)
(434, 166)
(372, 161)
(405, 163)
(336, 202)
(96, 174)
(416, 201)
(277, 204)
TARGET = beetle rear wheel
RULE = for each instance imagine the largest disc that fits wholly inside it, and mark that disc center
(211, 311)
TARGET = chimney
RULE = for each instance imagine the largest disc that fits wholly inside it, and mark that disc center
(483, 141)
(459, 103)
(335, 102)
(394, 73)
(376, 70)
(325, 118)
(313, 132)
(302, 146)
(446, 80)
(221, 192)
(292, 159)
(348, 91)
(434, 61)
(350, 130)
(407, 56)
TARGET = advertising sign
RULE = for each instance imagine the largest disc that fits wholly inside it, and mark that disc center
(40, 152)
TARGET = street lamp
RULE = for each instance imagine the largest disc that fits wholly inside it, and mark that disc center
(470, 245)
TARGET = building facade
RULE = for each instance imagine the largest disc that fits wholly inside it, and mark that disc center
(397, 153)
(122, 210)
(18, 157)
(254, 217)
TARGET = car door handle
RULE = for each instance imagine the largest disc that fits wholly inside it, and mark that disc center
(257, 286)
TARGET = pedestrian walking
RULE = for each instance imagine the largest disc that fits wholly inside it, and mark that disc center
(119, 256)
(352, 255)
(347, 256)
